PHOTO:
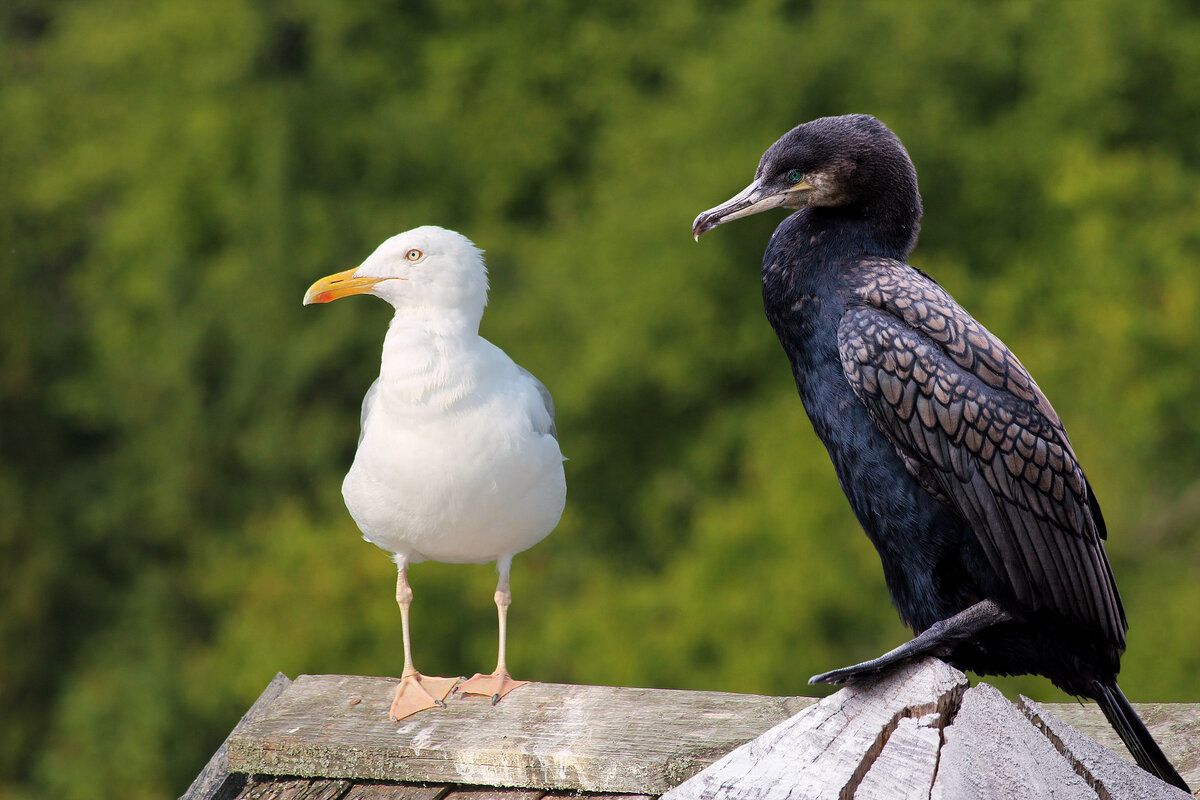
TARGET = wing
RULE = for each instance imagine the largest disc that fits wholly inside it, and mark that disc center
(974, 429)
(546, 398)
(367, 404)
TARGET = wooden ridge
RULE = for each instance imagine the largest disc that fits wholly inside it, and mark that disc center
(920, 732)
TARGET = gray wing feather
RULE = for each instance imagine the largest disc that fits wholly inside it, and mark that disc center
(367, 404)
(546, 398)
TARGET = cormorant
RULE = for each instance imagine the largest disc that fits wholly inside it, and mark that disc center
(458, 458)
(953, 460)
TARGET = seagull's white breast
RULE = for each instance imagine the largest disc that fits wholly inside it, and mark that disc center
(452, 465)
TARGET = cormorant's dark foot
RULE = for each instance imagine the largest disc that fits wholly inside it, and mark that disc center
(912, 649)
(939, 640)
(867, 669)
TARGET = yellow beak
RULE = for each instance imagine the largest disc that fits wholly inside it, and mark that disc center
(340, 284)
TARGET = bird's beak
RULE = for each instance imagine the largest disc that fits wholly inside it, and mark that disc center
(751, 200)
(340, 284)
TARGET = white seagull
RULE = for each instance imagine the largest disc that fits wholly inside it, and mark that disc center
(458, 458)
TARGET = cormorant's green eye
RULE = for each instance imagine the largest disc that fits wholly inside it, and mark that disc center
(795, 176)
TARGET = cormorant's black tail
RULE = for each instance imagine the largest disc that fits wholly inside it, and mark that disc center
(1133, 733)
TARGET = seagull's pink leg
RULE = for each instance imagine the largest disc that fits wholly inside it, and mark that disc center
(416, 692)
(499, 683)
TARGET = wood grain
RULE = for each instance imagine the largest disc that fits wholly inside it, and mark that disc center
(907, 764)
(1175, 726)
(552, 736)
(895, 738)
(1112, 777)
(828, 749)
(494, 794)
(992, 752)
(372, 790)
(294, 789)
(917, 734)
(216, 781)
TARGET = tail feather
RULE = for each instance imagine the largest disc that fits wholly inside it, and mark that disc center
(1133, 733)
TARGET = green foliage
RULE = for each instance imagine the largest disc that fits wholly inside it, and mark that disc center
(174, 426)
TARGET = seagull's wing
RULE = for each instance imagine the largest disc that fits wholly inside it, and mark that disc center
(552, 429)
(975, 430)
(367, 404)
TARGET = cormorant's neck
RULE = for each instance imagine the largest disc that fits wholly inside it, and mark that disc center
(805, 266)
(886, 228)
(807, 263)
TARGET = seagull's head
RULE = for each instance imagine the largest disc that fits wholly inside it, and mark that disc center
(428, 267)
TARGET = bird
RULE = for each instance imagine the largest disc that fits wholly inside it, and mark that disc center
(458, 458)
(953, 461)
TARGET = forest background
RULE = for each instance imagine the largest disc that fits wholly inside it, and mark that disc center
(174, 426)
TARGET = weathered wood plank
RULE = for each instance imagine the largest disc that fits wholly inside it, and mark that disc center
(495, 794)
(1175, 726)
(1113, 777)
(372, 790)
(992, 752)
(294, 789)
(905, 767)
(215, 781)
(552, 736)
(275, 789)
(826, 750)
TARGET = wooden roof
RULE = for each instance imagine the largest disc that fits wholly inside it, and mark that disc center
(265, 787)
(328, 737)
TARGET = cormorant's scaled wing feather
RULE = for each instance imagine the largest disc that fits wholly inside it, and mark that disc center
(974, 429)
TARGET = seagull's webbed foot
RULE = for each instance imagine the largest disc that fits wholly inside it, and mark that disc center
(499, 683)
(417, 692)
(940, 640)
(496, 685)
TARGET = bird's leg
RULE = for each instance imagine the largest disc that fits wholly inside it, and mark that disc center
(416, 692)
(938, 640)
(499, 683)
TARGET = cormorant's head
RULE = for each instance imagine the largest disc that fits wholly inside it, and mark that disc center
(853, 160)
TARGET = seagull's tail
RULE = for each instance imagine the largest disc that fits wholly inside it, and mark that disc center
(1133, 733)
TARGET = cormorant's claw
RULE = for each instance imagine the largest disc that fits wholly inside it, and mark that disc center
(839, 677)
(938, 640)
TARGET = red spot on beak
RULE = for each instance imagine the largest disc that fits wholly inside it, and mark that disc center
(323, 297)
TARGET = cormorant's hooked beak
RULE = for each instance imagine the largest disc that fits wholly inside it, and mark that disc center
(340, 284)
(754, 198)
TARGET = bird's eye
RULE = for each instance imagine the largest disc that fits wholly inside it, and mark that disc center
(794, 176)
(414, 255)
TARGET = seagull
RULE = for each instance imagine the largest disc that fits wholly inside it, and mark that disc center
(458, 458)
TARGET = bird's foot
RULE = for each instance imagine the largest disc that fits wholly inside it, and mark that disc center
(418, 692)
(930, 643)
(939, 640)
(858, 672)
(496, 685)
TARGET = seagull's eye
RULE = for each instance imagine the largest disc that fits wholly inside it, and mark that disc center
(414, 255)
(794, 176)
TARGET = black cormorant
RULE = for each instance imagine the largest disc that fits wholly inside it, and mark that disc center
(954, 462)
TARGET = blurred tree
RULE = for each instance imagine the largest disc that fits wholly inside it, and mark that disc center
(174, 427)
